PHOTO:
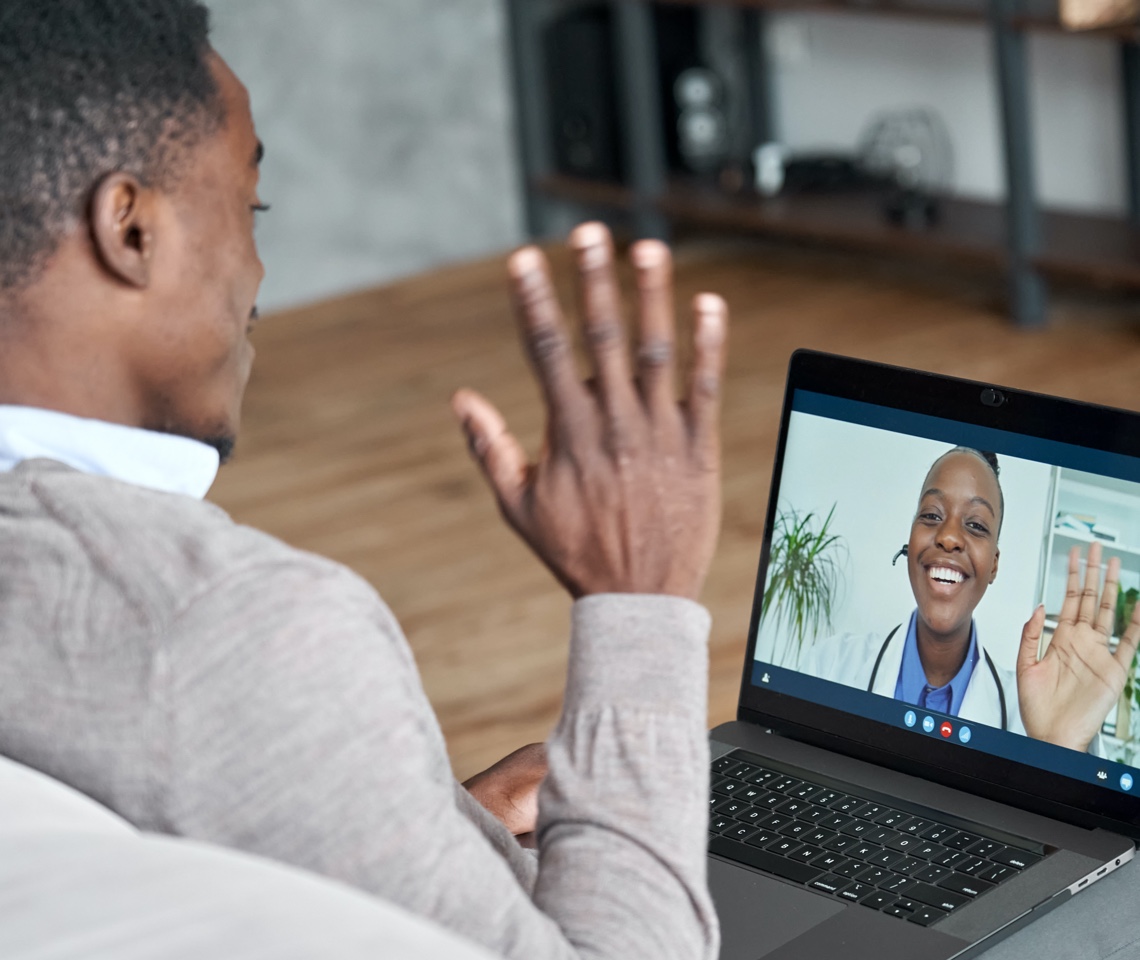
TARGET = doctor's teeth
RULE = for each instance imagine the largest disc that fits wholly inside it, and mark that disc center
(946, 574)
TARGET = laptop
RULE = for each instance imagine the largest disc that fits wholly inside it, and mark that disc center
(878, 794)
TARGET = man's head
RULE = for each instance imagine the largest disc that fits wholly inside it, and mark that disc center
(128, 169)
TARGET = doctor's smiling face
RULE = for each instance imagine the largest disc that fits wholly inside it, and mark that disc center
(952, 555)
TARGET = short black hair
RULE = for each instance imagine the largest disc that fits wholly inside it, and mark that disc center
(88, 88)
(990, 459)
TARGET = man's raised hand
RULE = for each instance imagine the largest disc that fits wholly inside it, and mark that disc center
(625, 495)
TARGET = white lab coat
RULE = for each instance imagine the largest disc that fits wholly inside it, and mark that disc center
(849, 658)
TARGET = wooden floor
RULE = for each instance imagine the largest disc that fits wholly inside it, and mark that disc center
(349, 449)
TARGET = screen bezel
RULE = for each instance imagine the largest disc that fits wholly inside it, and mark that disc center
(1050, 418)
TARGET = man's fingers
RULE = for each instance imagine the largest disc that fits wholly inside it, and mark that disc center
(544, 334)
(602, 315)
(710, 334)
(499, 454)
(1030, 640)
(1106, 613)
(656, 347)
(1087, 610)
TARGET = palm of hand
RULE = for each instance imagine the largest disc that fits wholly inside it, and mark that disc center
(1066, 695)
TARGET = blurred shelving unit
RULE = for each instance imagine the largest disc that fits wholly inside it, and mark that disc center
(1017, 237)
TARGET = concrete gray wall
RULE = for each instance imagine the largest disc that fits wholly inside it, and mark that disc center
(387, 126)
(833, 72)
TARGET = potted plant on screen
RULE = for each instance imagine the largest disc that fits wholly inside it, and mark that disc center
(1125, 604)
(805, 576)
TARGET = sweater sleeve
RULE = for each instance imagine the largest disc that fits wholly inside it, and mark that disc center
(297, 728)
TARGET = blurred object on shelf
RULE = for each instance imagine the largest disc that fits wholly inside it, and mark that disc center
(1095, 14)
(702, 121)
(911, 150)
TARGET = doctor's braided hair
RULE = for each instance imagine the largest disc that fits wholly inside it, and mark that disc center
(93, 87)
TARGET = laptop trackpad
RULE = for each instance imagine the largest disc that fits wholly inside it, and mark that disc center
(759, 914)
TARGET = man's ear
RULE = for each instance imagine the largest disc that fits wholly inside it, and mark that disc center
(993, 573)
(123, 228)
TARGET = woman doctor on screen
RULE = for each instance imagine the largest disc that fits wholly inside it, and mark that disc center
(936, 660)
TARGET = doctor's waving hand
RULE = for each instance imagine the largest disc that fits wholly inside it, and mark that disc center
(1066, 695)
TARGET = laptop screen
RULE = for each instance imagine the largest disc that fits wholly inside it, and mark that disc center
(905, 554)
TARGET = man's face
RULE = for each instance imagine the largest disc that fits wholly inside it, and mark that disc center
(196, 359)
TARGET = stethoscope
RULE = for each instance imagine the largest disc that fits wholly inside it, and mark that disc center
(985, 653)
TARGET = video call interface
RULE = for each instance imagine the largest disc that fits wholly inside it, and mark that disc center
(900, 580)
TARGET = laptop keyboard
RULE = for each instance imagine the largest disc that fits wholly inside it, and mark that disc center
(857, 849)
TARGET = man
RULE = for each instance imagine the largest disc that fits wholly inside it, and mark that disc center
(205, 680)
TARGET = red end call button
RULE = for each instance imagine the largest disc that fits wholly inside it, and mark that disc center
(946, 729)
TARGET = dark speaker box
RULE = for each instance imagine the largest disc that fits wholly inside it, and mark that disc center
(581, 86)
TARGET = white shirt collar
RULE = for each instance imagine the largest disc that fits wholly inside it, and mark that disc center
(160, 461)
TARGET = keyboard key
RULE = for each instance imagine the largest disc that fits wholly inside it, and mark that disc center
(783, 846)
(872, 875)
(855, 891)
(849, 869)
(831, 861)
(909, 866)
(805, 792)
(822, 796)
(774, 821)
(815, 814)
(839, 843)
(829, 883)
(904, 842)
(885, 858)
(837, 821)
(1012, 857)
(984, 848)
(971, 865)
(784, 784)
(846, 804)
(751, 815)
(932, 873)
(816, 835)
(934, 896)
(876, 900)
(879, 835)
(722, 765)
(896, 885)
(742, 770)
(730, 807)
(741, 831)
(750, 793)
(967, 886)
(805, 854)
(914, 825)
(727, 787)
(995, 873)
(908, 905)
(959, 841)
(937, 832)
(797, 829)
(862, 851)
(764, 860)
(890, 818)
(792, 807)
(928, 850)
(719, 823)
(872, 810)
(762, 776)
(926, 916)
(761, 838)
(951, 858)
(894, 910)
(858, 828)
(769, 800)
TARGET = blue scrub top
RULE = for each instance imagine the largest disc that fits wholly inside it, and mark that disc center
(912, 686)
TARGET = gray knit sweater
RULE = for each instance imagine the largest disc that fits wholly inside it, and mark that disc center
(205, 680)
